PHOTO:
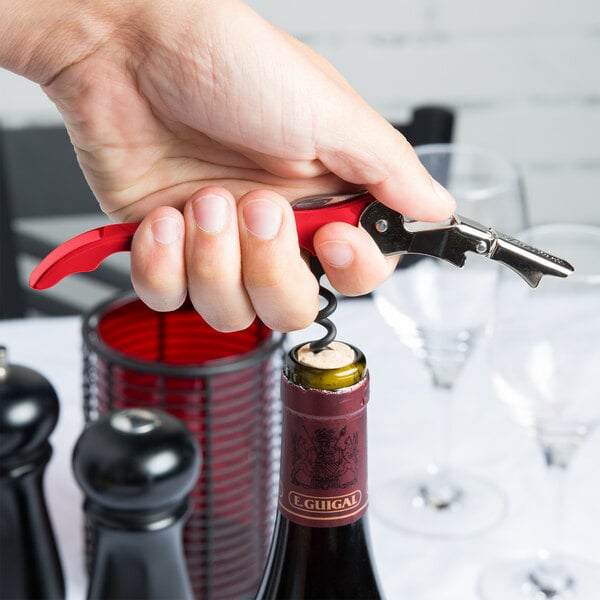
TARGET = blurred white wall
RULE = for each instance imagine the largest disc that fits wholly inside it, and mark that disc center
(524, 78)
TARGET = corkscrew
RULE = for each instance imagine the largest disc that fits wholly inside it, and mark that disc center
(324, 313)
(449, 240)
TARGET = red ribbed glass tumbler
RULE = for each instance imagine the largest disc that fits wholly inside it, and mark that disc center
(224, 386)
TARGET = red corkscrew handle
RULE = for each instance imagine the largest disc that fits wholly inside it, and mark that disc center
(82, 253)
(87, 250)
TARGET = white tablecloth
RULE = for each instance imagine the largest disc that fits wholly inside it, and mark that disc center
(486, 443)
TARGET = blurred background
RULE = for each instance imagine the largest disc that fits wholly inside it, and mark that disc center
(522, 78)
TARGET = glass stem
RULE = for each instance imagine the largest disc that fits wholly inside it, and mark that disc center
(444, 371)
(441, 459)
(555, 537)
(550, 575)
(558, 451)
(440, 492)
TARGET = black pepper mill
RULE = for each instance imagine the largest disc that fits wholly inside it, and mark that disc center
(136, 468)
(30, 566)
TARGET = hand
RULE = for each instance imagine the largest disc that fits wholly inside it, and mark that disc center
(204, 120)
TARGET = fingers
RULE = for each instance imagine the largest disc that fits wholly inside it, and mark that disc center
(353, 263)
(213, 260)
(279, 283)
(244, 261)
(235, 262)
(157, 259)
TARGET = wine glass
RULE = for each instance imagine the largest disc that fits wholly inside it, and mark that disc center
(440, 312)
(544, 357)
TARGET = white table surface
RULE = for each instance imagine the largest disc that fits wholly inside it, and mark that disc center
(486, 442)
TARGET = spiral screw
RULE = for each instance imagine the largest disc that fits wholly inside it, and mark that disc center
(322, 316)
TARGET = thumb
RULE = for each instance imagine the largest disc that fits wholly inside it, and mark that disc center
(366, 149)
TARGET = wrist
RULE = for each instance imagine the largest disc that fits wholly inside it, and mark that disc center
(40, 39)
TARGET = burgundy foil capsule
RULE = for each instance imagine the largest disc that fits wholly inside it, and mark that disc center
(323, 481)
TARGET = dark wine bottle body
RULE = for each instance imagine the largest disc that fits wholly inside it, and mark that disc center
(320, 563)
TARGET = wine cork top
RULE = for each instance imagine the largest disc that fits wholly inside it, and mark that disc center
(335, 356)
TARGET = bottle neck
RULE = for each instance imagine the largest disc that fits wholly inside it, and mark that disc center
(323, 476)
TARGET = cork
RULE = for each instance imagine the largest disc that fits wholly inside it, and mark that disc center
(335, 356)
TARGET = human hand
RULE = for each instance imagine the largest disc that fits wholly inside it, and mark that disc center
(204, 120)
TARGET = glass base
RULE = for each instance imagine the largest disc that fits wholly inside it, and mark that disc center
(562, 578)
(451, 505)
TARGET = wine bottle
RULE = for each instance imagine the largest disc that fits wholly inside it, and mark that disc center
(320, 546)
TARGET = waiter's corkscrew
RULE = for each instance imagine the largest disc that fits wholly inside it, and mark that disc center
(449, 240)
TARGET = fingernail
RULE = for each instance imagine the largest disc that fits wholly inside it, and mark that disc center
(210, 213)
(263, 218)
(166, 230)
(443, 194)
(336, 254)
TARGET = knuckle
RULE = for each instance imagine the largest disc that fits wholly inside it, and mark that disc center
(147, 281)
(259, 275)
(208, 271)
(162, 302)
(163, 282)
(290, 319)
(225, 310)
(226, 323)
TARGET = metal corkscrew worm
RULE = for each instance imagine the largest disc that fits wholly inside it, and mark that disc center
(323, 315)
